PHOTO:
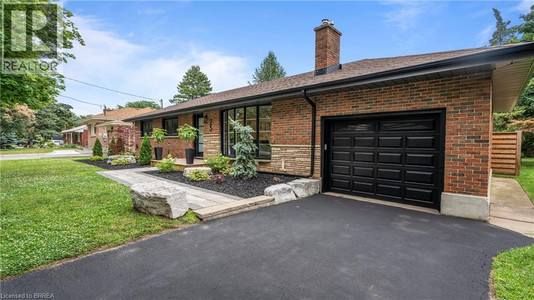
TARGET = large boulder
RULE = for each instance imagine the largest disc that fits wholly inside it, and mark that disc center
(113, 157)
(159, 198)
(189, 170)
(281, 193)
(304, 187)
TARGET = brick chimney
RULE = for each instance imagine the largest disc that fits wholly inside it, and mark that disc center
(326, 48)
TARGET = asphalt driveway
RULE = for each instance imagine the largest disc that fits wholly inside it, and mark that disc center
(322, 247)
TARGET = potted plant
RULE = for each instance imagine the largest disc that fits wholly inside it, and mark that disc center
(188, 133)
(158, 135)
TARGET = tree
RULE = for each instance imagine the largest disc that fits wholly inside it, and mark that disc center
(97, 148)
(141, 104)
(37, 90)
(270, 69)
(244, 166)
(194, 84)
(46, 123)
(18, 120)
(503, 34)
(527, 28)
(145, 153)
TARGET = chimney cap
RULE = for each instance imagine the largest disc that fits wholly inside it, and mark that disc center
(327, 22)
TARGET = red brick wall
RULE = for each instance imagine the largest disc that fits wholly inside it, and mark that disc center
(327, 46)
(467, 100)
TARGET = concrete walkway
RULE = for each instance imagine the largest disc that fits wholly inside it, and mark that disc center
(510, 206)
(53, 154)
(197, 197)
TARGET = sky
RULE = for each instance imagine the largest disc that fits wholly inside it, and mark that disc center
(145, 47)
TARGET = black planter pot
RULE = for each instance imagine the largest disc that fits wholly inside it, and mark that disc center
(158, 151)
(189, 156)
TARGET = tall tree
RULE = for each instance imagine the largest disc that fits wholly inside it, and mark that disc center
(194, 84)
(527, 28)
(503, 34)
(141, 104)
(37, 90)
(270, 69)
(18, 120)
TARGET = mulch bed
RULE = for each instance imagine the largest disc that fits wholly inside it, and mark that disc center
(104, 165)
(237, 187)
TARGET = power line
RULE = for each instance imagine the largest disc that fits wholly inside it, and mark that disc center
(108, 89)
(99, 105)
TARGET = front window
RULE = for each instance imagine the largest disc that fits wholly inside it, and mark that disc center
(146, 127)
(94, 129)
(258, 118)
(171, 126)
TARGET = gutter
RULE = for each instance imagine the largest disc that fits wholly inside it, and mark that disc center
(313, 123)
(476, 59)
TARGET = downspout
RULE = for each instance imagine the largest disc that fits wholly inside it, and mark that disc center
(314, 113)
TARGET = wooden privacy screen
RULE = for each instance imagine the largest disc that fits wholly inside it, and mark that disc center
(506, 153)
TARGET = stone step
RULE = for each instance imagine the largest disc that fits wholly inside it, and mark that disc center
(234, 207)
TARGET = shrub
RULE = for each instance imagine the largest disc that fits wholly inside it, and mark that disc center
(199, 175)
(166, 165)
(96, 158)
(145, 153)
(97, 148)
(244, 166)
(111, 146)
(217, 163)
(7, 140)
(69, 146)
(120, 162)
(187, 132)
(50, 145)
(227, 171)
(158, 135)
(527, 147)
(218, 178)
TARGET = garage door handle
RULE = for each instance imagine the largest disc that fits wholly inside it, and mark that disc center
(325, 147)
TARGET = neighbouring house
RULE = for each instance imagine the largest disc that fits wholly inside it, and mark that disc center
(411, 129)
(109, 123)
(76, 136)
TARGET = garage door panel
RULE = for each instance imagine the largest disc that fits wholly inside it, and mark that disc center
(368, 141)
(419, 177)
(420, 159)
(364, 157)
(368, 172)
(391, 158)
(390, 141)
(340, 170)
(389, 174)
(426, 195)
(425, 142)
(341, 155)
(389, 190)
(363, 187)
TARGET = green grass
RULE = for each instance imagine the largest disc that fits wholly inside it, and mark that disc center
(25, 151)
(513, 274)
(526, 176)
(53, 209)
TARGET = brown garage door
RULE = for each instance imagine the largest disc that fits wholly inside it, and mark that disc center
(396, 157)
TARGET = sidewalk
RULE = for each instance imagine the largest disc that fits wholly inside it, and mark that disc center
(53, 154)
(510, 206)
(197, 197)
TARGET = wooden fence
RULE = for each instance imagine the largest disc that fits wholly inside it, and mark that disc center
(506, 153)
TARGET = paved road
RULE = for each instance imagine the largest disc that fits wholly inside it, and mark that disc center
(53, 154)
(322, 247)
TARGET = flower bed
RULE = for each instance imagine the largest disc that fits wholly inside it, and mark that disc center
(236, 187)
(104, 165)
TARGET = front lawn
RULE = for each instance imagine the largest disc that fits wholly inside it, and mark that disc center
(513, 274)
(526, 176)
(58, 208)
(25, 151)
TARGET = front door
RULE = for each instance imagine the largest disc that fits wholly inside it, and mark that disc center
(199, 142)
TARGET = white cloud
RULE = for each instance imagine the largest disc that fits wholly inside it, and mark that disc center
(404, 15)
(524, 6)
(485, 35)
(114, 62)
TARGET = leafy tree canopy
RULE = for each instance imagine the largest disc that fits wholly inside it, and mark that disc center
(194, 84)
(270, 69)
(37, 90)
(141, 104)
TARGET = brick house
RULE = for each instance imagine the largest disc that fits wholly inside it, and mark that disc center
(76, 136)
(104, 125)
(412, 129)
